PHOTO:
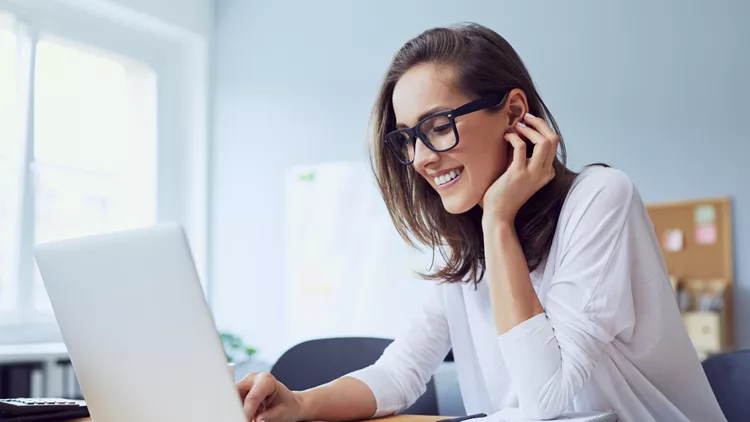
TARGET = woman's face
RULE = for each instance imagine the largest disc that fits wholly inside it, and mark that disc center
(463, 174)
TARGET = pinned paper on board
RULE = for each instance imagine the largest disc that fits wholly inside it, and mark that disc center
(705, 234)
(672, 240)
(705, 214)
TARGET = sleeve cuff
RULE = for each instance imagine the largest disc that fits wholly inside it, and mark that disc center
(527, 342)
(527, 329)
(378, 381)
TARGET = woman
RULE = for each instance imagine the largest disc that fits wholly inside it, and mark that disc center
(553, 295)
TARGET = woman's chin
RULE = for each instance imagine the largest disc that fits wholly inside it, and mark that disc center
(457, 204)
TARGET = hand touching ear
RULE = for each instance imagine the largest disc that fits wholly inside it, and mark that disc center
(524, 177)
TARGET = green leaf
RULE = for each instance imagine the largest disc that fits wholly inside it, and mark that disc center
(234, 347)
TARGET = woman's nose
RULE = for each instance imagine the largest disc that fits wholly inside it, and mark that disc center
(423, 155)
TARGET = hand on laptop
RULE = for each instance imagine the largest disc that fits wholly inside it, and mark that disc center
(265, 399)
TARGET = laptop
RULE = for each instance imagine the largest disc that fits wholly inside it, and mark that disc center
(139, 333)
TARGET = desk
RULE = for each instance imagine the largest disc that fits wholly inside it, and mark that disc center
(400, 418)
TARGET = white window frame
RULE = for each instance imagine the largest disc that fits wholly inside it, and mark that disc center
(179, 58)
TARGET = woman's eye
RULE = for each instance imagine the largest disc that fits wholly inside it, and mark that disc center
(441, 129)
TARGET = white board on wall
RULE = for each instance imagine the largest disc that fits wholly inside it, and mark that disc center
(347, 271)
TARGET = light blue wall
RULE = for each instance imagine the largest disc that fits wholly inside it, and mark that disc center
(658, 89)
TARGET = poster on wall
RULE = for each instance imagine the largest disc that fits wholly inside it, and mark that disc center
(347, 271)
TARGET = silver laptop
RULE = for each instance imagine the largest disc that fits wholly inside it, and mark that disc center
(137, 327)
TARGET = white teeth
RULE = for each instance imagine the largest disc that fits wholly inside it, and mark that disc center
(441, 180)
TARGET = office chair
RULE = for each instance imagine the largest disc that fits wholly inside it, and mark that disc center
(317, 362)
(729, 376)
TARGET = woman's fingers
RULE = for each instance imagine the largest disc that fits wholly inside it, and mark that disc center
(245, 385)
(274, 414)
(519, 151)
(264, 387)
(541, 126)
(541, 146)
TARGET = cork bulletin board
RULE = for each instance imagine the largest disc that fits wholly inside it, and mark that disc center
(696, 241)
(696, 237)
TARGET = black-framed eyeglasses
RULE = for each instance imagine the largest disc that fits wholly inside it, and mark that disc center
(438, 131)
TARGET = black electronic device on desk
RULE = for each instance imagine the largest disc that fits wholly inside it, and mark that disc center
(41, 410)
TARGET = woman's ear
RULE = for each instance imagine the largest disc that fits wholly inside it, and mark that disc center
(516, 106)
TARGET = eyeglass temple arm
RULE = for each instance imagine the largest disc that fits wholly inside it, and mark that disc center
(487, 101)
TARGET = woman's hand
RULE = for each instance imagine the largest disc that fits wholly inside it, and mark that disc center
(523, 177)
(265, 399)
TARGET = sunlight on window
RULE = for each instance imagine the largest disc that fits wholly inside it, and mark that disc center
(9, 144)
(95, 144)
(8, 90)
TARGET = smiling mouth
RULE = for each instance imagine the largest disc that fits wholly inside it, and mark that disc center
(447, 177)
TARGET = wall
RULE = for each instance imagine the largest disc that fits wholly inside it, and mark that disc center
(658, 89)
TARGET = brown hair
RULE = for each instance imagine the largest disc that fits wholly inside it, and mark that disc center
(484, 63)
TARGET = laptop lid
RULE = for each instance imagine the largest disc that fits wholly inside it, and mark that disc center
(139, 333)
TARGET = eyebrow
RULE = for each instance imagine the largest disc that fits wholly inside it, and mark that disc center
(427, 113)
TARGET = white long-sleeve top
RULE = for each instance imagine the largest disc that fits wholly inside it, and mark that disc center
(610, 337)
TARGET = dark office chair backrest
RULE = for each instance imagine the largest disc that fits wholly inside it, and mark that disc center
(729, 376)
(317, 362)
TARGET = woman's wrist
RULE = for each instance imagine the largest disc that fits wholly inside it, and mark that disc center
(493, 222)
(305, 404)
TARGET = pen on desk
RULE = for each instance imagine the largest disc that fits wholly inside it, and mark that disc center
(463, 418)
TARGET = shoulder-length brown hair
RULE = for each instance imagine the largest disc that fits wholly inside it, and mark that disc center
(484, 63)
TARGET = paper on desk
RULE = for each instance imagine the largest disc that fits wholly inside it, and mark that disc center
(513, 414)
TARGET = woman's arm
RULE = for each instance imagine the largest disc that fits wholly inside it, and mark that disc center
(265, 399)
(344, 399)
(401, 374)
(551, 354)
(550, 351)
(513, 297)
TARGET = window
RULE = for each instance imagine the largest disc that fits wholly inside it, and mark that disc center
(102, 128)
(8, 132)
(94, 145)
(88, 165)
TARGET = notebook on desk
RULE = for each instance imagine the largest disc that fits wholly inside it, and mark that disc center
(514, 415)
